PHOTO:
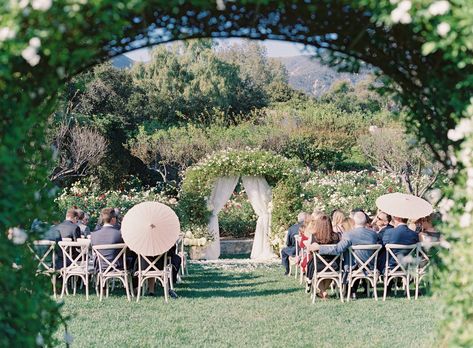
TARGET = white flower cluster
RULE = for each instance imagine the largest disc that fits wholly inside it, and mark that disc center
(443, 29)
(17, 235)
(463, 128)
(30, 53)
(439, 8)
(6, 33)
(401, 13)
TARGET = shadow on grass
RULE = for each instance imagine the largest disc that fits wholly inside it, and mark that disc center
(205, 283)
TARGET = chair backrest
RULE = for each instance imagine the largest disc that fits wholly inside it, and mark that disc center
(368, 265)
(75, 254)
(297, 239)
(180, 243)
(401, 260)
(44, 252)
(331, 266)
(423, 254)
(105, 265)
(148, 264)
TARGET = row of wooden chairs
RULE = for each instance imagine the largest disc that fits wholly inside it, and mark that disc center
(77, 265)
(405, 262)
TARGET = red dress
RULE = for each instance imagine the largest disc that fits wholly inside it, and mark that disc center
(306, 257)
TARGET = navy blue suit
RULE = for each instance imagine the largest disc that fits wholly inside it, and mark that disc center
(398, 235)
(290, 249)
(107, 235)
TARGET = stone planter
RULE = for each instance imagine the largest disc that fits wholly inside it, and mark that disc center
(196, 252)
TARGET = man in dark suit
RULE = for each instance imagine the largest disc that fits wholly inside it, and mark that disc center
(69, 228)
(290, 248)
(400, 234)
(382, 223)
(108, 234)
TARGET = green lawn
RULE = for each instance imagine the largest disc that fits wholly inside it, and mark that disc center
(248, 306)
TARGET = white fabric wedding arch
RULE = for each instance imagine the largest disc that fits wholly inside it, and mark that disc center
(260, 197)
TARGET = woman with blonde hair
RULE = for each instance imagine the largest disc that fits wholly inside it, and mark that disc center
(348, 224)
(322, 233)
(337, 220)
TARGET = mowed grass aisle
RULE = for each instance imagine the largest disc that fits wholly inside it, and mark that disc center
(247, 305)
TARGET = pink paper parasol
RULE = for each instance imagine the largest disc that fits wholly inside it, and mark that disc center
(150, 228)
(404, 205)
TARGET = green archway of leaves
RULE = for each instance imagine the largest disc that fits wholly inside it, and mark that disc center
(423, 46)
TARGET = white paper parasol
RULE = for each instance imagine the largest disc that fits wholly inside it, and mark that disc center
(404, 205)
(150, 228)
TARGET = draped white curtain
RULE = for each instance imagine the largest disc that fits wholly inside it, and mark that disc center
(260, 196)
(221, 193)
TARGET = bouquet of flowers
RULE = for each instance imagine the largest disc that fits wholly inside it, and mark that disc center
(197, 236)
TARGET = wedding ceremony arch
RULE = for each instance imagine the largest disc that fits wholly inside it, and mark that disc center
(424, 49)
(272, 183)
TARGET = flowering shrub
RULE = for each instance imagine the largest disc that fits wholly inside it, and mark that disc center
(347, 190)
(92, 200)
(284, 175)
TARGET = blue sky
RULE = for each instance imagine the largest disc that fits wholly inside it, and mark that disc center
(274, 48)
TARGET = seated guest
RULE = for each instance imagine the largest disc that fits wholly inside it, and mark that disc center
(108, 234)
(348, 224)
(321, 233)
(428, 233)
(68, 228)
(83, 220)
(400, 234)
(337, 222)
(290, 248)
(382, 223)
(175, 261)
(360, 235)
(304, 237)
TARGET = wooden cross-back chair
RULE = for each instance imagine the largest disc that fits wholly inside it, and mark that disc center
(294, 260)
(182, 254)
(76, 264)
(44, 251)
(115, 269)
(151, 270)
(359, 269)
(332, 271)
(423, 255)
(401, 267)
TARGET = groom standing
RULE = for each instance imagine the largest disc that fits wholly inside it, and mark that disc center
(290, 249)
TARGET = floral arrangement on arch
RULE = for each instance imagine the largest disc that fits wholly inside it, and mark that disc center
(285, 176)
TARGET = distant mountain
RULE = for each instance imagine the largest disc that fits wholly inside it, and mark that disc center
(312, 77)
(122, 62)
(305, 73)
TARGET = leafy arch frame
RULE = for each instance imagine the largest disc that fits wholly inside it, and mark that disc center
(425, 48)
(285, 176)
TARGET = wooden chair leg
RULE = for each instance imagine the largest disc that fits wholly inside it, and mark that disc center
(64, 284)
(385, 287)
(126, 284)
(86, 281)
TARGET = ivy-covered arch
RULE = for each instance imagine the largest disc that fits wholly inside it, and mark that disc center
(285, 176)
(424, 46)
